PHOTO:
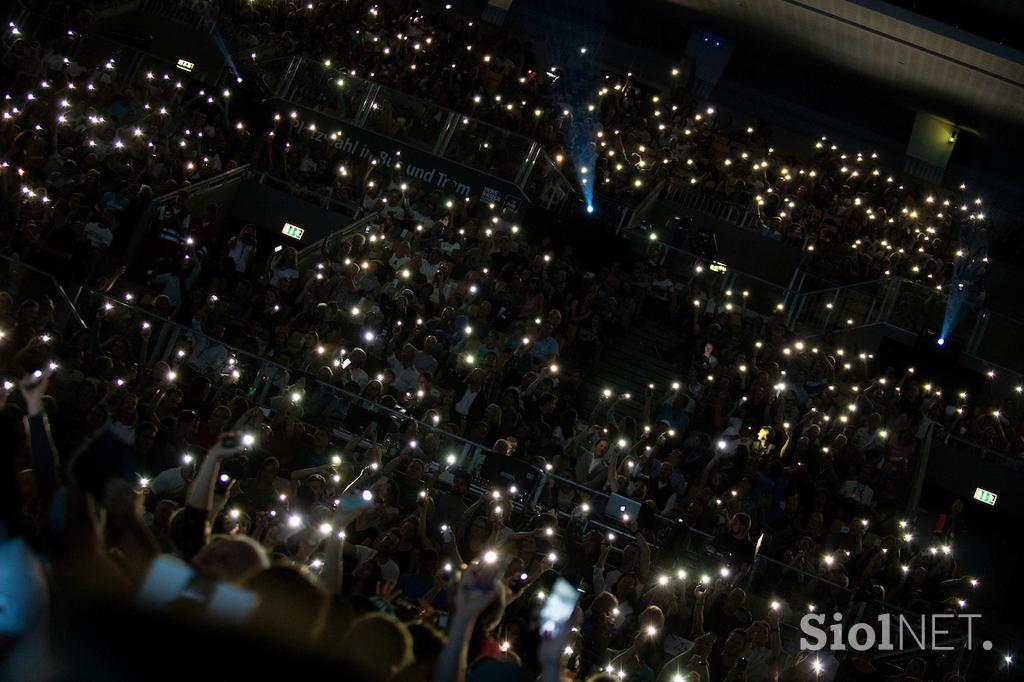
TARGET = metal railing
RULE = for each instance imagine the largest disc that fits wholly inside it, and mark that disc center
(131, 63)
(989, 337)
(323, 197)
(142, 232)
(973, 449)
(732, 213)
(309, 256)
(645, 206)
(24, 281)
(250, 375)
(547, 186)
(396, 115)
(196, 191)
(709, 282)
(261, 381)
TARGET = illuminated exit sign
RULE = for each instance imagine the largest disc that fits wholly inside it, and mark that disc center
(186, 65)
(293, 231)
(985, 496)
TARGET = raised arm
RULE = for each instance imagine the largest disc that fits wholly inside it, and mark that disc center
(199, 501)
(700, 594)
(45, 460)
(613, 465)
(331, 577)
(478, 587)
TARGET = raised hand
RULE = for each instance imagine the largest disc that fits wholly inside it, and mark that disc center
(387, 591)
(478, 587)
(32, 389)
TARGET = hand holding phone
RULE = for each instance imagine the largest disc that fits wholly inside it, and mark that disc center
(33, 388)
(231, 444)
(558, 608)
(354, 503)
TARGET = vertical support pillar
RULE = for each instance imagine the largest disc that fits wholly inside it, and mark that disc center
(931, 143)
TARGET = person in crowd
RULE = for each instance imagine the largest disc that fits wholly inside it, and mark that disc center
(339, 453)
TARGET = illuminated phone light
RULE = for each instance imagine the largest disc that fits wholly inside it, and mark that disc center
(490, 556)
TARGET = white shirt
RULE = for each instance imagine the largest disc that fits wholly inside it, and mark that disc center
(857, 491)
(211, 356)
(287, 272)
(240, 253)
(168, 483)
(425, 362)
(397, 262)
(406, 378)
(466, 402)
(759, 661)
(359, 376)
(428, 269)
(388, 570)
(98, 234)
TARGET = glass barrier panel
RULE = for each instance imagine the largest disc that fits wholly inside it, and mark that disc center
(273, 70)
(749, 294)
(406, 119)
(244, 374)
(24, 282)
(330, 91)
(1000, 341)
(549, 187)
(916, 307)
(488, 149)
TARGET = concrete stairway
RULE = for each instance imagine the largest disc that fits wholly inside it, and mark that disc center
(629, 364)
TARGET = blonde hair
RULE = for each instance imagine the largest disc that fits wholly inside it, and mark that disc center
(378, 645)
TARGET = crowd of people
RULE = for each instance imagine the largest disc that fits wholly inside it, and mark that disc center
(302, 450)
(857, 219)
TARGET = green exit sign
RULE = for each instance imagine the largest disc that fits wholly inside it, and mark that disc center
(185, 65)
(985, 496)
(293, 231)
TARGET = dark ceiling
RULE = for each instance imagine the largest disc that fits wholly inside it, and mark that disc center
(932, 66)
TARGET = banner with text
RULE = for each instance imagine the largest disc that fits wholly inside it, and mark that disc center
(433, 171)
